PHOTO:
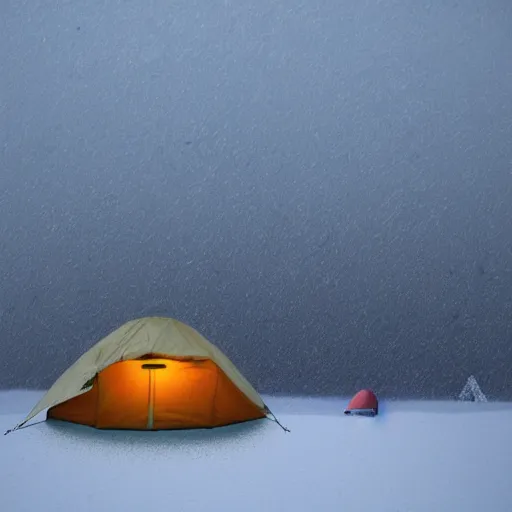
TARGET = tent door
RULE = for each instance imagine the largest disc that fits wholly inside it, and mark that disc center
(151, 400)
(152, 371)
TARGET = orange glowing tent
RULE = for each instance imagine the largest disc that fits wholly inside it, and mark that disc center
(152, 374)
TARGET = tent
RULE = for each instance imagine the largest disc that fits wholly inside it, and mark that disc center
(152, 374)
(363, 403)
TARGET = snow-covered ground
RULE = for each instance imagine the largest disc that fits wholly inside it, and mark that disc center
(415, 456)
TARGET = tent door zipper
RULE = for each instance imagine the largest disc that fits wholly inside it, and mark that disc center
(151, 400)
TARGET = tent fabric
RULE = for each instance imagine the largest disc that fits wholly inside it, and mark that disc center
(364, 403)
(158, 394)
(161, 337)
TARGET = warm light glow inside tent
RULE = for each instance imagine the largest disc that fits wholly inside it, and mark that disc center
(159, 393)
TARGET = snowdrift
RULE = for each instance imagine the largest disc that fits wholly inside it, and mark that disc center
(414, 456)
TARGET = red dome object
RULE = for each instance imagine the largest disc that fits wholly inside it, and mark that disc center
(364, 403)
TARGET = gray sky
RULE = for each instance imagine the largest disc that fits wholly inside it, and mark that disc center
(322, 188)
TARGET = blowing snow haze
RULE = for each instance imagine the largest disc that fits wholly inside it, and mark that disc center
(322, 188)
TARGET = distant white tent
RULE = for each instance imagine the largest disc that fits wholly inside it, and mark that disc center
(471, 392)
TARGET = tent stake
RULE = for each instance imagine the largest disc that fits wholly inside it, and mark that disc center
(22, 425)
(271, 417)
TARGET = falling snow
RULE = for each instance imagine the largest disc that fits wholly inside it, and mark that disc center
(322, 188)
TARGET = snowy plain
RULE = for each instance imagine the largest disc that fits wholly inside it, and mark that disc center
(415, 456)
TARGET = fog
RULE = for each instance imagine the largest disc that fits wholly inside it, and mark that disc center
(322, 188)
